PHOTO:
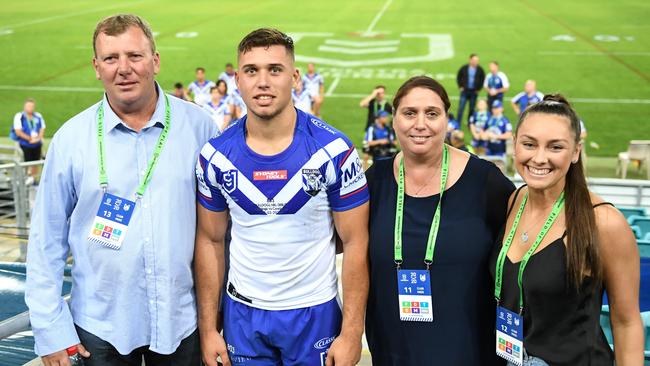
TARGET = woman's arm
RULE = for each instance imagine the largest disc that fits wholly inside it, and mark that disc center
(620, 259)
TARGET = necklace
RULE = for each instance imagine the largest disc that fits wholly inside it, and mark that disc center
(524, 235)
(416, 194)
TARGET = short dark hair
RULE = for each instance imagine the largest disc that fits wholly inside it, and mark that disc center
(199, 69)
(380, 86)
(422, 82)
(178, 86)
(265, 37)
(495, 62)
(229, 64)
(472, 55)
(119, 24)
(213, 88)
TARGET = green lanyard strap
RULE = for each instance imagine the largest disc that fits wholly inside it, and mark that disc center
(399, 212)
(379, 107)
(103, 177)
(498, 274)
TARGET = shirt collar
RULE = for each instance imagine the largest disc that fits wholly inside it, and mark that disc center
(111, 120)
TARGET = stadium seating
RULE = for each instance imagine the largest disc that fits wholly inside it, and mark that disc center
(640, 226)
(629, 212)
(638, 150)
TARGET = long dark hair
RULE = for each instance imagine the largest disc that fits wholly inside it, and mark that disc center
(583, 253)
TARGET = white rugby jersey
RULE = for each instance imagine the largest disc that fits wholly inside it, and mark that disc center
(312, 83)
(282, 253)
(302, 101)
(218, 111)
(201, 91)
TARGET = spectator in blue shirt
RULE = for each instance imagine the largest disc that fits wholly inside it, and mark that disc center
(379, 141)
(528, 97)
(498, 131)
(130, 226)
(452, 125)
(470, 80)
(477, 125)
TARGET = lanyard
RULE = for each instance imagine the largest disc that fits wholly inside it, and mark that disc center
(378, 107)
(399, 212)
(498, 281)
(103, 177)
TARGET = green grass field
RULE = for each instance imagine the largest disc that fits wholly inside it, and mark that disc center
(596, 52)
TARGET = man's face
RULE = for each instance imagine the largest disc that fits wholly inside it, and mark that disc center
(473, 61)
(126, 65)
(265, 78)
(29, 107)
(530, 87)
(494, 68)
(310, 68)
(200, 75)
(229, 70)
(381, 93)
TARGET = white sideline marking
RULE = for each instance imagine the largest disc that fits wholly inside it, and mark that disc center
(338, 42)
(82, 89)
(372, 25)
(297, 36)
(67, 15)
(357, 51)
(593, 53)
(330, 90)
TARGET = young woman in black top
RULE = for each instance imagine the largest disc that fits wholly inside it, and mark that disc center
(455, 323)
(572, 246)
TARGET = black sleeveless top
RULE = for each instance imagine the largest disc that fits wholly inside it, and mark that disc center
(473, 211)
(561, 325)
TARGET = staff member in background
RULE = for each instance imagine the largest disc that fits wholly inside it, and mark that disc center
(470, 80)
(29, 127)
(442, 244)
(379, 141)
(375, 102)
(496, 83)
(117, 193)
(562, 246)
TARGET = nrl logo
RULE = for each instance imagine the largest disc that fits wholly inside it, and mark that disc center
(229, 179)
(312, 181)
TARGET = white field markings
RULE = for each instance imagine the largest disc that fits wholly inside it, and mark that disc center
(330, 93)
(355, 51)
(593, 53)
(63, 16)
(330, 90)
(370, 30)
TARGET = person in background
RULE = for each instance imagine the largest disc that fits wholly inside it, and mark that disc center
(218, 107)
(470, 78)
(497, 131)
(379, 140)
(179, 92)
(115, 193)
(496, 83)
(228, 75)
(29, 127)
(375, 102)
(239, 106)
(452, 125)
(440, 242)
(477, 125)
(302, 98)
(199, 89)
(458, 141)
(528, 97)
(561, 248)
(314, 83)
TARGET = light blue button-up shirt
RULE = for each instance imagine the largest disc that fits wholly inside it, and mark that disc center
(143, 293)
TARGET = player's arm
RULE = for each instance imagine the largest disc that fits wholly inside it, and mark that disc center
(515, 105)
(620, 258)
(41, 132)
(352, 227)
(366, 101)
(209, 269)
(506, 84)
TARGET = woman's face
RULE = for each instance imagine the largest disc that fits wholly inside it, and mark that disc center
(420, 122)
(545, 148)
(222, 87)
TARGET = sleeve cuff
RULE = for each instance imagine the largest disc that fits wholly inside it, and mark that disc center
(57, 336)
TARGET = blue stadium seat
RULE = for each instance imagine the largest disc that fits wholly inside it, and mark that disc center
(633, 211)
(647, 237)
(644, 248)
(643, 225)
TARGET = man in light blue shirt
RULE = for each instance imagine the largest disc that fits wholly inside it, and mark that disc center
(133, 290)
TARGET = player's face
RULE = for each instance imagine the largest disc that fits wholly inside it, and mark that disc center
(265, 78)
(381, 93)
(544, 150)
(229, 70)
(310, 68)
(29, 107)
(530, 87)
(497, 111)
(126, 66)
(494, 68)
(420, 122)
(200, 75)
(482, 105)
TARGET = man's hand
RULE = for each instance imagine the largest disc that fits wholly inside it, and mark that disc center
(492, 92)
(61, 358)
(345, 351)
(212, 346)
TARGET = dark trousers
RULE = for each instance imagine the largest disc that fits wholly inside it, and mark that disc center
(103, 353)
(492, 98)
(465, 96)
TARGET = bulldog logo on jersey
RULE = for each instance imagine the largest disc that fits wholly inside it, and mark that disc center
(312, 181)
(229, 179)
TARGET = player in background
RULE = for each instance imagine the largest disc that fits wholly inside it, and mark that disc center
(498, 130)
(496, 83)
(477, 125)
(315, 84)
(228, 75)
(301, 97)
(200, 88)
(218, 107)
(287, 180)
(529, 96)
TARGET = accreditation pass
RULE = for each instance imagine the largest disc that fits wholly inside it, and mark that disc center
(414, 289)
